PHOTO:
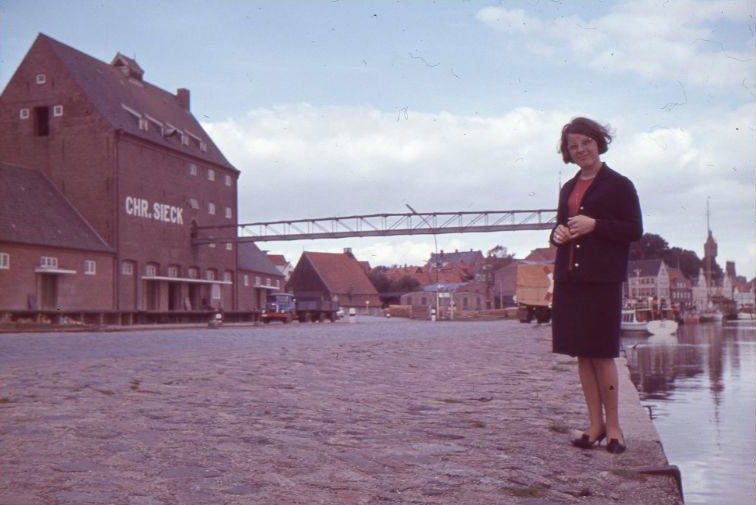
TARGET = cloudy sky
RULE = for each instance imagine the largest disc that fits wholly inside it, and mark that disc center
(339, 107)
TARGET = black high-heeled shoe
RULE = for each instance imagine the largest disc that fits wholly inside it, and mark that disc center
(584, 442)
(615, 447)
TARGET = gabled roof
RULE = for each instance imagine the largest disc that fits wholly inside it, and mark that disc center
(278, 259)
(251, 258)
(340, 273)
(542, 254)
(122, 98)
(33, 211)
(646, 268)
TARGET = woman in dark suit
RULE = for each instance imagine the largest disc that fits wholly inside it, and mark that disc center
(597, 219)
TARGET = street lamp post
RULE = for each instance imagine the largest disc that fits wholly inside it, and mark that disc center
(435, 244)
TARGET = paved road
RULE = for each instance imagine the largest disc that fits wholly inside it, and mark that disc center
(383, 411)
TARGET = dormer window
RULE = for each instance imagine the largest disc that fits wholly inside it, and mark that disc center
(128, 66)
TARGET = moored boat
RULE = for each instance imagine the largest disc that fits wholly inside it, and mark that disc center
(638, 317)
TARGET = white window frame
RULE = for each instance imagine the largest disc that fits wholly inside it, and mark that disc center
(90, 267)
(228, 180)
(211, 245)
(267, 281)
(41, 78)
(127, 268)
(210, 174)
(192, 272)
(229, 215)
(257, 281)
(193, 203)
(173, 271)
(203, 147)
(192, 169)
(48, 262)
(23, 113)
(4, 261)
(229, 246)
(150, 270)
(228, 276)
(210, 275)
(57, 110)
(246, 278)
(211, 208)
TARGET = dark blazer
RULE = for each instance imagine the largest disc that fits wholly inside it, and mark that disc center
(600, 256)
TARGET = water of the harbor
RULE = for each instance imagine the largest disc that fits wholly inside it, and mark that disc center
(700, 386)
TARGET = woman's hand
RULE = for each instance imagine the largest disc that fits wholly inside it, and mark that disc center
(581, 225)
(562, 234)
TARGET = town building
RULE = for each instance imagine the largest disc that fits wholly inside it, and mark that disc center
(139, 170)
(647, 278)
(283, 266)
(335, 277)
(680, 289)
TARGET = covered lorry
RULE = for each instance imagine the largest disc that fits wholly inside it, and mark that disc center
(286, 307)
(533, 291)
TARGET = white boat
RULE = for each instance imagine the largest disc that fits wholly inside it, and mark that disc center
(711, 316)
(643, 319)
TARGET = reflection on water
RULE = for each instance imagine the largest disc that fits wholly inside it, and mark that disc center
(700, 386)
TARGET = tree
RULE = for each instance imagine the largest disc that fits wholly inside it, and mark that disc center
(380, 280)
(687, 261)
(649, 247)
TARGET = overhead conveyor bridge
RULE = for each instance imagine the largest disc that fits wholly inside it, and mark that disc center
(379, 225)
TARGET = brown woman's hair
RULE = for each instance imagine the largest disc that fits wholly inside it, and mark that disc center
(588, 127)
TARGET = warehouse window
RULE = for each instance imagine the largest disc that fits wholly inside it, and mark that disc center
(210, 174)
(173, 271)
(193, 203)
(127, 268)
(5, 261)
(228, 180)
(23, 113)
(210, 274)
(257, 281)
(192, 169)
(227, 276)
(211, 208)
(42, 121)
(41, 78)
(228, 212)
(151, 270)
(193, 273)
(246, 279)
(90, 267)
(211, 245)
(229, 246)
(278, 283)
(57, 110)
(267, 281)
(203, 147)
(48, 262)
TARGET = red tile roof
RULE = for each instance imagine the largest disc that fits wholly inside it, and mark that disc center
(341, 274)
(109, 89)
(546, 254)
(277, 259)
(33, 211)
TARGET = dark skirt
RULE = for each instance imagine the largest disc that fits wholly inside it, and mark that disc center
(586, 319)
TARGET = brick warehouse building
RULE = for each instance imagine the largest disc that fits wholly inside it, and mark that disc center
(139, 169)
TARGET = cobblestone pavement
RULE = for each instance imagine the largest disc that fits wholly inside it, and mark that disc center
(382, 411)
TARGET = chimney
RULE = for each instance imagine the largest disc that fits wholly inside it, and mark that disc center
(182, 96)
(348, 252)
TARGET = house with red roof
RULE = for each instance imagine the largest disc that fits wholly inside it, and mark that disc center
(336, 277)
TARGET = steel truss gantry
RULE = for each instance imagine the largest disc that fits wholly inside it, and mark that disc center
(379, 225)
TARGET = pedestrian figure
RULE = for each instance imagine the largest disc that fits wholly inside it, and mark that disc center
(597, 218)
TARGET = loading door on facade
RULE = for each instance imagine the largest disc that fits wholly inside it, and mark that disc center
(49, 292)
(152, 290)
(174, 296)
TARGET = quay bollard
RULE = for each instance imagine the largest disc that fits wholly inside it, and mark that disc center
(433, 314)
(216, 321)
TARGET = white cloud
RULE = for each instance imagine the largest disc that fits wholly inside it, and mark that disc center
(301, 161)
(673, 40)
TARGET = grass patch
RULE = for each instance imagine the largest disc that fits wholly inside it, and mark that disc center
(525, 491)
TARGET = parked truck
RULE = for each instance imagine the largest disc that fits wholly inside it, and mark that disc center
(533, 291)
(286, 307)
